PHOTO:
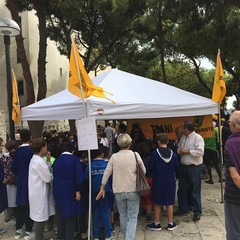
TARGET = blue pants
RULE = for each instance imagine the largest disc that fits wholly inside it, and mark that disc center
(101, 216)
(66, 227)
(190, 180)
(232, 223)
(128, 208)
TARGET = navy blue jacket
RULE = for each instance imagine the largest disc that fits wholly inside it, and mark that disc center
(98, 167)
(67, 180)
(3, 191)
(97, 170)
(20, 166)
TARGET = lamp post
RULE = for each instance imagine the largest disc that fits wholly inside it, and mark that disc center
(9, 28)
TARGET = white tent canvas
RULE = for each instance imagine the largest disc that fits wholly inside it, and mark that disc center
(135, 97)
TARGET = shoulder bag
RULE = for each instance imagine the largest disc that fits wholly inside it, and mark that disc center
(142, 186)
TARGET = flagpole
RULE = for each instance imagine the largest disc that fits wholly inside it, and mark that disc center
(220, 149)
(89, 153)
(219, 92)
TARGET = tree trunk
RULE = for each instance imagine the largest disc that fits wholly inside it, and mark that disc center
(42, 83)
(72, 125)
(13, 8)
(36, 128)
(160, 43)
(237, 101)
(197, 72)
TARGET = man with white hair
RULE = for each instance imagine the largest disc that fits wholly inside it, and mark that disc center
(232, 179)
(109, 135)
(191, 150)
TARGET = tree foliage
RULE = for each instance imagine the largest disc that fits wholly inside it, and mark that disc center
(100, 26)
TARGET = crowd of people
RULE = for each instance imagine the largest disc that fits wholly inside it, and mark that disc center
(44, 182)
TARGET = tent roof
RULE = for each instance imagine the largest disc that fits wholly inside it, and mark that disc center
(135, 97)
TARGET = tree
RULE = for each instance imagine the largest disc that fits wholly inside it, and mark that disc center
(100, 26)
(15, 7)
(207, 26)
(189, 30)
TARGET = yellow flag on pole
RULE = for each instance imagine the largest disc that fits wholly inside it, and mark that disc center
(16, 112)
(219, 86)
(79, 82)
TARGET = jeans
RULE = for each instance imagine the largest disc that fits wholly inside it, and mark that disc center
(101, 216)
(190, 185)
(128, 207)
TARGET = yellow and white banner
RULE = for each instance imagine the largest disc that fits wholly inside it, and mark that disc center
(203, 125)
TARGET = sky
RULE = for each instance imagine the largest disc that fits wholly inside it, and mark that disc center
(230, 101)
(205, 63)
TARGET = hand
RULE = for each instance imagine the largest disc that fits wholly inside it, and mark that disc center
(4, 181)
(78, 196)
(48, 156)
(179, 151)
(100, 194)
(183, 151)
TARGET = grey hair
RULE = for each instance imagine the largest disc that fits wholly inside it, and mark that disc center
(235, 117)
(124, 140)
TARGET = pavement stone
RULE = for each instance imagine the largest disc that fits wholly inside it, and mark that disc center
(210, 227)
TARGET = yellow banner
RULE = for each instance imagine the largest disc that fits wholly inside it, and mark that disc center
(203, 125)
(79, 82)
(15, 101)
(219, 86)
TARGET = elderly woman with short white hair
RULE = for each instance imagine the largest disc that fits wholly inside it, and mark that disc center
(122, 166)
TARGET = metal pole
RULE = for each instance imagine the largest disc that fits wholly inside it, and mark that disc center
(220, 149)
(9, 86)
(89, 152)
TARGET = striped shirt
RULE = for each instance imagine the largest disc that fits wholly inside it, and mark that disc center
(232, 192)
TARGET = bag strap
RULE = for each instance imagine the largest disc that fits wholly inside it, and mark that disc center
(135, 155)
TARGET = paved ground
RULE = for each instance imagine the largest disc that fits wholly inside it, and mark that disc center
(210, 227)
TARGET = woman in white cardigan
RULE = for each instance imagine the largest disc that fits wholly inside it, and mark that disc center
(122, 166)
(40, 196)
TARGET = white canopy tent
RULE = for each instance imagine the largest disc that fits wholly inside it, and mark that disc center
(135, 97)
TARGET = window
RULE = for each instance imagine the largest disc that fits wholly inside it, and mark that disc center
(20, 88)
(60, 72)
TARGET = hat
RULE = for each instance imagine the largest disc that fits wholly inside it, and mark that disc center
(215, 117)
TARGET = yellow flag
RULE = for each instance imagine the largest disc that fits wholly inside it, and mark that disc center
(219, 86)
(79, 82)
(15, 101)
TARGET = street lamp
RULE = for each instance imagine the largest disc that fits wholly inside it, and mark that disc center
(9, 28)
